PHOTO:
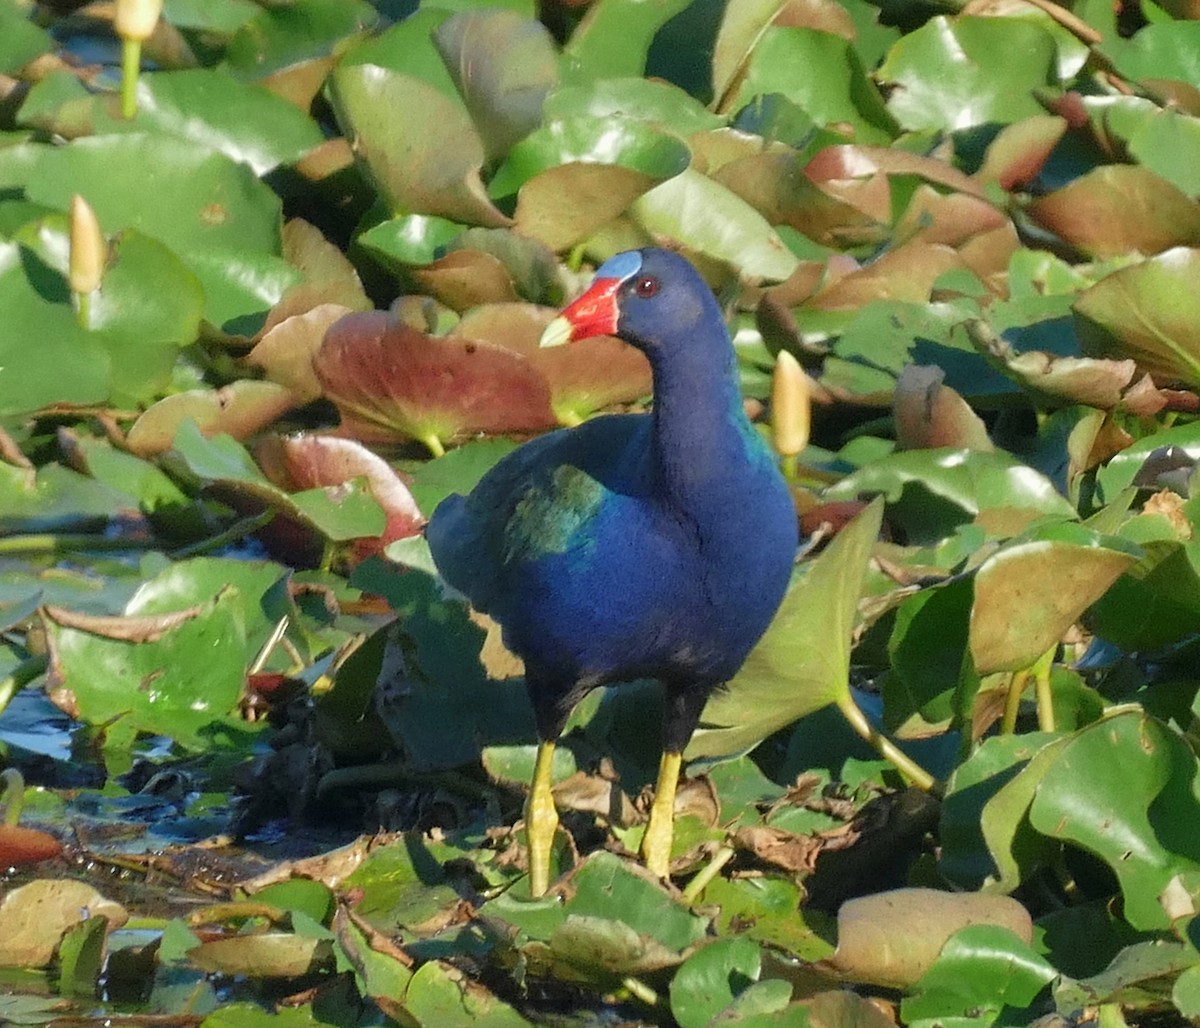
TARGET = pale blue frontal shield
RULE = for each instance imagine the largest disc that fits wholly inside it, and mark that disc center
(622, 266)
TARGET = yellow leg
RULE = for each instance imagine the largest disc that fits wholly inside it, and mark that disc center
(656, 843)
(541, 820)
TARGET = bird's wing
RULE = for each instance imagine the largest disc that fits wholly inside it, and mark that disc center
(539, 500)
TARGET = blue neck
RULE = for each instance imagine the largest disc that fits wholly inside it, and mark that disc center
(703, 438)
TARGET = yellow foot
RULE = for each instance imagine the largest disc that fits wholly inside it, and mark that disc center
(541, 821)
(660, 831)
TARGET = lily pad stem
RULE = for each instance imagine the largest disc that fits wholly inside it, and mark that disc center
(707, 873)
(1012, 702)
(238, 530)
(131, 61)
(1041, 685)
(884, 746)
(12, 794)
(50, 543)
(640, 990)
(21, 676)
(83, 310)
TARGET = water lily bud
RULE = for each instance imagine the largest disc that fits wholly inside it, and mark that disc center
(86, 264)
(135, 19)
(791, 406)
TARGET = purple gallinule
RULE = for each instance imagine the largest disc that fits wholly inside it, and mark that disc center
(635, 545)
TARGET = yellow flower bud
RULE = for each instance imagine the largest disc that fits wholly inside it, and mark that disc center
(85, 266)
(135, 19)
(791, 406)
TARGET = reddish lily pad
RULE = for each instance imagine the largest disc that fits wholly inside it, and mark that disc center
(1117, 208)
(21, 847)
(391, 382)
(301, 462)
(583, 377)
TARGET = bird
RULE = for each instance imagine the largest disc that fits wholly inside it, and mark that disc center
(650, 545)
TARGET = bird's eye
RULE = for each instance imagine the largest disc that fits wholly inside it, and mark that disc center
(646, 286)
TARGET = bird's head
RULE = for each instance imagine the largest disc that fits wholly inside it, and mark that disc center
(641, 296)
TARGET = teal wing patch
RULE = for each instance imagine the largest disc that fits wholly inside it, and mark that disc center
(553, 515)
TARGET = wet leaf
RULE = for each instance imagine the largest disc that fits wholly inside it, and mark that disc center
(35, 917)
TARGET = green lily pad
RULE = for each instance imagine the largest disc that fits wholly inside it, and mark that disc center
(503, 65)
(1030, 592)
(1146, 312)
(410, 126)
(1123, 789)
(945, 76)
(982, 969)
(711, 220)
(186, 677)
(802, 662)
(822, 75)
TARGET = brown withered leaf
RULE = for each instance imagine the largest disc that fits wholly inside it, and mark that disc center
(145, 628)
(391, 382)
(794, 853)
(595, 794)
(285, 352)
(466, 278)
(1093, 381)
(929, 414)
